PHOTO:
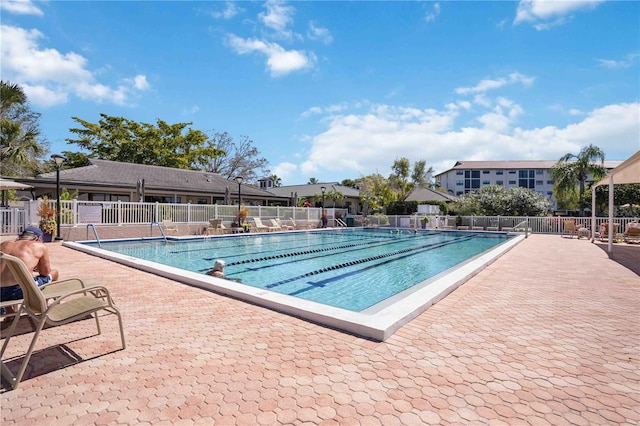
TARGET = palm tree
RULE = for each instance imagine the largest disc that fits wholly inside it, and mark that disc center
(334, 195)
(312, 181)
(571, 168)
(277, 182)
(19, 146)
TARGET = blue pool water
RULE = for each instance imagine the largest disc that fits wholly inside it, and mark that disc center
(352, 269)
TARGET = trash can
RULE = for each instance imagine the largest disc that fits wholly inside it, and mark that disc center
(349, 221)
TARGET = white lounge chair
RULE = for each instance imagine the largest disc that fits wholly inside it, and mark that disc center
(261, 227)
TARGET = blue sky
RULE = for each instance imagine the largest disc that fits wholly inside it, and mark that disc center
(337, 90)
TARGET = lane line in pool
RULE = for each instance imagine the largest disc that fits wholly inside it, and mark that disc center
(357, 246)
(362, 236)
(368, 259)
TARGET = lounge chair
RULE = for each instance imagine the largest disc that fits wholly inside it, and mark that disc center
(604, 231)
(261, 227)
(67, 308)
(283, 226)
(215, 226)
(569, 227)
(300, 225)
(275, 225)
(169, 226)
(632, 233)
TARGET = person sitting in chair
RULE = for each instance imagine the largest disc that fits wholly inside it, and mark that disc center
(34, 253)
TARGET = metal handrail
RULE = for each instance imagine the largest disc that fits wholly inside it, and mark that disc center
(95, 232)
(160, 228)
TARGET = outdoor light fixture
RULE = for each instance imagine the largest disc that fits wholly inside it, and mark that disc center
(239, 180)
(58, 159)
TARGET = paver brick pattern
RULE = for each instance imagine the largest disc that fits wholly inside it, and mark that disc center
(547, 334)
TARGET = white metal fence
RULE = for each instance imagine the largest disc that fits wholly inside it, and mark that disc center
(76, 213)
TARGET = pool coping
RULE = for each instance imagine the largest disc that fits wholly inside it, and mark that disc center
(378, 325)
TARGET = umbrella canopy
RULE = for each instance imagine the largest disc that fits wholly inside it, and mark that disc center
(9, 184)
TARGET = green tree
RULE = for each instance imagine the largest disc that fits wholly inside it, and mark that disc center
(234, 158)
(334, 196)
(348, 183)
(277, 182)
(494, 200)
(312, 181)
(375, 191)
(74, 159)
(21, 145)
(571, 169)
(404, 180)
(163, 144)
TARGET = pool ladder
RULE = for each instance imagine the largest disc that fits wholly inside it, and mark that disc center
(160, 228)
(95, 232)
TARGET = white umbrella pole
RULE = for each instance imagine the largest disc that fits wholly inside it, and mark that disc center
(610, 247)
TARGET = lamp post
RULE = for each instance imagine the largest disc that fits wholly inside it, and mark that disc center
(239, 180)
(322, 217)
(58, 159)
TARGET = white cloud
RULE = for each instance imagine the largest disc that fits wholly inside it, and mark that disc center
(360, 144)
(49, 77)
(278, 17)
(626, 62)
(433, 13)
(544, 14)
(21, 7)
(279, 61)
(284, 170)
(231, 9)
(486, 85)
(319, 33)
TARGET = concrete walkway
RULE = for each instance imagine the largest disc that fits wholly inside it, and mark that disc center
(548, 334)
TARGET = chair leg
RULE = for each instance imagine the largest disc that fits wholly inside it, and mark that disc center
(12, 328)
(27, 356)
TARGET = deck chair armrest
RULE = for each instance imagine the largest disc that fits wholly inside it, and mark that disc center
(97, 291)
(59, 283)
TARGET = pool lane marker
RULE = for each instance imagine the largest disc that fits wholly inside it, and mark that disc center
(368, 259)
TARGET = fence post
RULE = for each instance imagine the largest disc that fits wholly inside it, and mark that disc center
(74, 212)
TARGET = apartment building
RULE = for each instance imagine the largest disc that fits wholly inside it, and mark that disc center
(467, 176)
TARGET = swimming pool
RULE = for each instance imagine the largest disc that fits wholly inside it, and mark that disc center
(355, 279)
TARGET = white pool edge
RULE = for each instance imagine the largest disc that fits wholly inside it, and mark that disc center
(376, 326)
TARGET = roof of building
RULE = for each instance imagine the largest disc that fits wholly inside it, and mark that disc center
(118, 174)
(517, 164)
(426, 194)
(311, 189)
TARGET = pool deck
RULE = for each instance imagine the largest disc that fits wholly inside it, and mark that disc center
(547, 334)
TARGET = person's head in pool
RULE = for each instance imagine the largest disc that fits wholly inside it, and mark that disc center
(218, 269)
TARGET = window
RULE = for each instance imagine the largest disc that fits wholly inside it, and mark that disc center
(512, 172)
(485, 172)
(539, 183)
(486, 182)
(459, 172)
(512, 182)
(108, 197)
(499, 182)
(459, 182)
(539, 172)
(549, 182)
(471, 180)
(499, 172)
(526, 179)
(549, 193)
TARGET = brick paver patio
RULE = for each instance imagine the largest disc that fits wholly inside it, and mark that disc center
(547, 334)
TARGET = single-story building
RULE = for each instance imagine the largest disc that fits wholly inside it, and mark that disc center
(104, 180)
(350, 200)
